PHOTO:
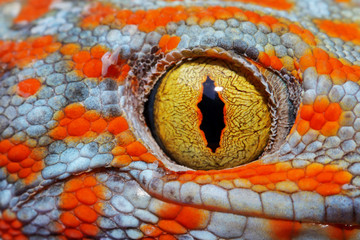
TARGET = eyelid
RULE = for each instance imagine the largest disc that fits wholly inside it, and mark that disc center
(139, 92)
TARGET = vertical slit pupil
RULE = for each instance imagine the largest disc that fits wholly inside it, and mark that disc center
(212, 110)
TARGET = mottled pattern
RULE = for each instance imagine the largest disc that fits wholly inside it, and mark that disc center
(78, 161)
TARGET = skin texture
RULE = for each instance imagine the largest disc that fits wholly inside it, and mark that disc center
(78, 161)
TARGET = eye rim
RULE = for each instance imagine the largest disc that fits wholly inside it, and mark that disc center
(139, 86)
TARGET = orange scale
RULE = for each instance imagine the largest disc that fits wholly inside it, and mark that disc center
(252, 16)
(148, 157)
(330, 129)
(7, 47)
(3, 224)
(21, 46)
(122, 161)
(123, 14)
(6, 58)
(68, 201)
(323, 66)
(180, 17)
(221, 176)
(100, 192)
(38, 53)
(171, 226)
(52, 47)
(264, 59)
(90, 181)
(25, 172)
(172, 43)
(347, 69)
(28, 87)
(98, 51)
(21, 54)
(58, 133)
(269, 20)
(136, 149)
(317, 121)
(247, 173)
(85, 214)
(342, 177)
(262, 180)
(3, 161)
(98, 126)
(5, 146)
(352, 77)
(74, 110)
(303, 127)
(8, 215)
(222, 14)
(282, 166)
(150, 230)
(186, 177)
(73, 185)
(38, 166)
(320, 54)
(162, 20)
(308, 37)
(81, 57)
(118, 125)
(78, 127)
(295, 29)
(163, 41)
(69, 219)
(331, 168)
(65, 121)
(265, 169)
(328, 189)
(295, 174)
(335, 63)
(277, 177)
(203, 179)
(14, 232)
(333, 112)
(308, 184)
(276, 63)
(193, 218)
(91, 115)
(338, 76)
(73, 233)
(307, 61)
(168, 210)
(86, 196)
(93, 68)
(42, 41)
(89, 230)
(147, 26)
(16, 224)
(70, 49)
(325, 177)
(39, 153)
(13, 167)
(314, 169)
(321, 104)
(279, 28)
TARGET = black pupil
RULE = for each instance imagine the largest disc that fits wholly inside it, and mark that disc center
(212, 109)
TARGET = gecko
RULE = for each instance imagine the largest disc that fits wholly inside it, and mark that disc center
(179, 119)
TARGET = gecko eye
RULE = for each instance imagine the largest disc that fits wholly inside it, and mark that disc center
(212, 114)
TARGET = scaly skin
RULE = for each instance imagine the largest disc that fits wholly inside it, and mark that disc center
(77, 161)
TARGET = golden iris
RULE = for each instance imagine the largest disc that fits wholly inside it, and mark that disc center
(178, 118)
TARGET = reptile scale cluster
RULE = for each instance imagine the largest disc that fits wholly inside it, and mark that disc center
(179, 119)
